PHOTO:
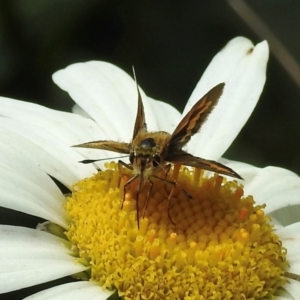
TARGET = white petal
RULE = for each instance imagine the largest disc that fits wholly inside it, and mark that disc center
(287, 215)
(290, 237)
(11, 160)
(29, 150)
(276, 224)
(243, 69)
(26, 188)
(109, 96)
(282, 294)
(294, 262)
(29, 257)
(67, 127)
(73, 291)
(54, 156)
(105, 92)
(167, 117)
(276, 187)
(76, 109)
(247, 171)
(293, 287)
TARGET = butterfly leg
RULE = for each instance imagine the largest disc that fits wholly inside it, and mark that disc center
(123, 164)
(139, 176)
(120, 164)
(173, 184)
(137, 195)
(166, 169)
(148, 197)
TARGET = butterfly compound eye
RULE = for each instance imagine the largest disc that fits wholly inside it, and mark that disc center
(131, 157)
(148, 143)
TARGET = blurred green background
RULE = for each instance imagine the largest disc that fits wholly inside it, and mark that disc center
(170, 43)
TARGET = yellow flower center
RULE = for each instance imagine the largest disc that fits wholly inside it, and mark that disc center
(215, 244)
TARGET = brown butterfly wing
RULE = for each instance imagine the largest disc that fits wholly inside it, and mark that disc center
(140, 121)
(195, 118)
(107, 145)
(125, 148)
(183, 158)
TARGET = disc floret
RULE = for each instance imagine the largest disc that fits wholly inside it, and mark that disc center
(218, 245)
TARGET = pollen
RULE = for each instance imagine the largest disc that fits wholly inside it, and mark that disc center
(205, 241)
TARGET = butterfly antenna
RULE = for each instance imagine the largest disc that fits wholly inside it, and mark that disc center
(148, 197)
(89, 161)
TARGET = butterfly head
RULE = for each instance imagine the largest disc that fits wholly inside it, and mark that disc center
(145, 154)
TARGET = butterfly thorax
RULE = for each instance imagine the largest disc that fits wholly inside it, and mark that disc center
(146, 152)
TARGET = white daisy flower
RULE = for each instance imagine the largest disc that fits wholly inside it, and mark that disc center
(221, 244)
